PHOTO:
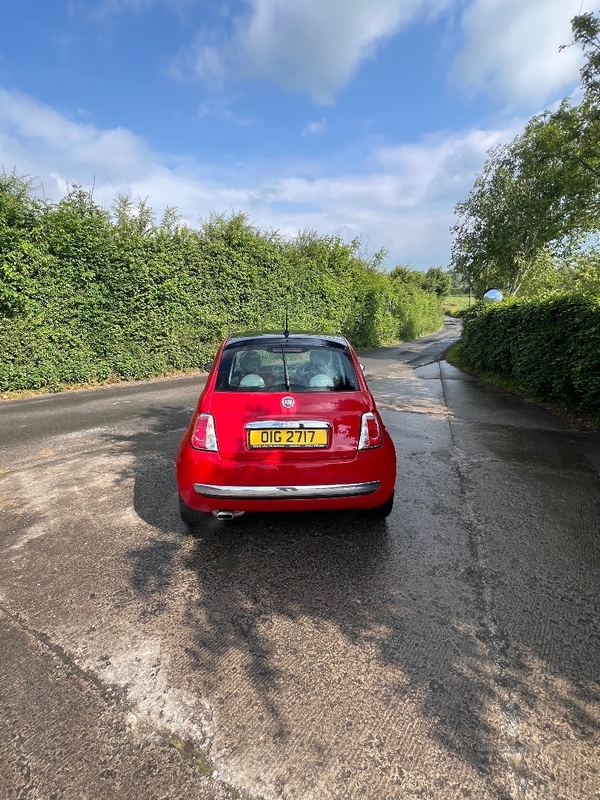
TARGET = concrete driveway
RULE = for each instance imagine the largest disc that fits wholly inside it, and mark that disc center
(452, 651)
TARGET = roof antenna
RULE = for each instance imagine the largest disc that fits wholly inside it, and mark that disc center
(286, 333)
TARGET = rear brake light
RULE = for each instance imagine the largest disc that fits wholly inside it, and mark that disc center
(204, 436)
(370, 432)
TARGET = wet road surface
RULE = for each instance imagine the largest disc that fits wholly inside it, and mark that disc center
(452, 651)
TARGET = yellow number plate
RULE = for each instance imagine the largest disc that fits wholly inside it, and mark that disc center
(288, 437)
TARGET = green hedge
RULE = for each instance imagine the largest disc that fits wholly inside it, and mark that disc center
(550, 347)
(87, 295)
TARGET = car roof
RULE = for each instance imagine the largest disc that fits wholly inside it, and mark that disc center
(271, 339)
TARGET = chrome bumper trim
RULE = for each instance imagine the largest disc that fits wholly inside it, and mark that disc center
(286, 492)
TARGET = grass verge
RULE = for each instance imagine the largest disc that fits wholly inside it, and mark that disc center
(567, 412)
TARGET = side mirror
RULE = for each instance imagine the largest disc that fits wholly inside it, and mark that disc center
(208, 367)
(362, 366)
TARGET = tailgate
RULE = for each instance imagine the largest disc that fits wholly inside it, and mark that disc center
(339, 412)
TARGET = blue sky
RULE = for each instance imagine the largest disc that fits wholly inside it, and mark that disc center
(357, 118)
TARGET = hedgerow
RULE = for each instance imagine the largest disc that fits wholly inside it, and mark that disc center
(550, 348)
(90, 295)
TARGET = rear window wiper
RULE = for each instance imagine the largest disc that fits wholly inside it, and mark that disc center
(286, 373)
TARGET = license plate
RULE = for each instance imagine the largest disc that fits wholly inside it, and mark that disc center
(288, 437)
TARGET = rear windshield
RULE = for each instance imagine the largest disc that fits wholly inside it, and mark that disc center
(287, 367)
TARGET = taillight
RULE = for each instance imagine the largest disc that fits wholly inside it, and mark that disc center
(370, 432)
(203, 435)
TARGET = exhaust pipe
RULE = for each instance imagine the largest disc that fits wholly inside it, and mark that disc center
(225, 514)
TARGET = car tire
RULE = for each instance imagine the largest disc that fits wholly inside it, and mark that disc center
(379, 512)
(191, 517)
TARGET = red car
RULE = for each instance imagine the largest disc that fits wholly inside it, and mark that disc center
(286, 422)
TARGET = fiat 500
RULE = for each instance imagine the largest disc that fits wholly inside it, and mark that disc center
(285, 423)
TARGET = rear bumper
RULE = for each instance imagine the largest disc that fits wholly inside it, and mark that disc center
(209, 482)
(287, 492)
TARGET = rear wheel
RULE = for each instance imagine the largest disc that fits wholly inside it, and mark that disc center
(190, 516)
(379, 512)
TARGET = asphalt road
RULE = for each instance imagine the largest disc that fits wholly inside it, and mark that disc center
(450, 652)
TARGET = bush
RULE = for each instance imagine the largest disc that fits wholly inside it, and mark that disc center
(550, 348)
(86, 295)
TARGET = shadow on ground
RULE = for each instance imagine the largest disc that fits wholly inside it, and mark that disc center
(369, 583)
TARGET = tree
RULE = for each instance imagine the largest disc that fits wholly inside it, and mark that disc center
(586, 33)
(458, 285)
(22, 249)
(402, 273)
(495, 237)
(436, 281)
(538, 195)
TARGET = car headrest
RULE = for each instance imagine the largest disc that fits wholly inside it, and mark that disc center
(252, 380)
(324, 381)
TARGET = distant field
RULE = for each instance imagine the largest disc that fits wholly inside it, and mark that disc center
(455, 303)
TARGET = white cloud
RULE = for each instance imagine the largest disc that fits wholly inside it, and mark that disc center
(45, 138)
(315, 128)
(512, 49)
(403, 202)
(313, 46)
